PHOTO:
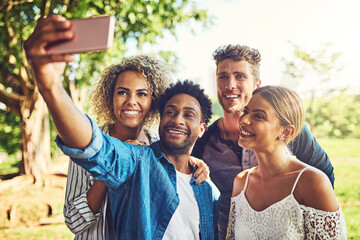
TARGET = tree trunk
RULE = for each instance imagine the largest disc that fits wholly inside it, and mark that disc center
(35, 138)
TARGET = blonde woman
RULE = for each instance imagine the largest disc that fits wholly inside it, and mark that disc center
(282, 197)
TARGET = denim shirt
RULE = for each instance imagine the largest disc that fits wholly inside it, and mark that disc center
(141, 185)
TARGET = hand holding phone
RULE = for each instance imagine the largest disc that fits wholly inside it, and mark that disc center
(91, 34)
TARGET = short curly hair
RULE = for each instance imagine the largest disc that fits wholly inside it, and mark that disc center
(192, 89)
(156, 72)
(239, 52)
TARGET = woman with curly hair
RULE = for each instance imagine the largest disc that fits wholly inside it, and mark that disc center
(125, 103)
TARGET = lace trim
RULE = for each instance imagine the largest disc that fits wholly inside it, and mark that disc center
(288, 220)
(324, 225)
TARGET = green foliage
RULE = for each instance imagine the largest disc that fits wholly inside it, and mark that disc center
(338, 116)
(141, 21)
(10, 165)
(322, 63)
(216, 109)
(9, 132)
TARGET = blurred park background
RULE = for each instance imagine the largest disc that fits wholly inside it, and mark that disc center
(309, 46)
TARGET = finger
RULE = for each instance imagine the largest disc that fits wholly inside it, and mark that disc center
(47, 31)
(192, 161)
(55, 26)
(200, 179)
(51, 20)
(51, 58)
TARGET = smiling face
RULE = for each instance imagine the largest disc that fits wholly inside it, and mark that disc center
(235, 84)
(131, 99)
(180, 124)
(260, 126)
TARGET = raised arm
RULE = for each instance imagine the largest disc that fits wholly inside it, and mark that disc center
(72, 125)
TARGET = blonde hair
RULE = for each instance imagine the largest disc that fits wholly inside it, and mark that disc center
(156, 72)
(287, 104)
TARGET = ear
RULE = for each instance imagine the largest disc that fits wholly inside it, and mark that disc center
(202, 130)
(288, 131)
(258, 83)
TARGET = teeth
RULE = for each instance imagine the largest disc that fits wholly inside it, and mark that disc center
(231, 96)
(246, 133)
(176, 132)
(131, 112)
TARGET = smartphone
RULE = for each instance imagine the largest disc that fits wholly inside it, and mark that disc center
(91, 34)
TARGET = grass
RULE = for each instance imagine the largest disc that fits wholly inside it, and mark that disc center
(345, 157)
(341, 148)
(42, 232)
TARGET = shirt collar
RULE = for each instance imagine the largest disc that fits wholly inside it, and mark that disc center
(160, 155)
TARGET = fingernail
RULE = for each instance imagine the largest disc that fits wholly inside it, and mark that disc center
(197, 182)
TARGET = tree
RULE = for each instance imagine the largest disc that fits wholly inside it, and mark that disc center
(320, 66)
(141, 20)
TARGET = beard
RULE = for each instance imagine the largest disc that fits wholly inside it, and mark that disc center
(238, 106)
(177, 148)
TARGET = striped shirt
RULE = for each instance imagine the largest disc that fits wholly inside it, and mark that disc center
(78, 216)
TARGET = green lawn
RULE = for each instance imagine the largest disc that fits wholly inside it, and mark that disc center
(345, 157)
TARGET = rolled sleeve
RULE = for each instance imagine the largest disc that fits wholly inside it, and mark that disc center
(89, 151)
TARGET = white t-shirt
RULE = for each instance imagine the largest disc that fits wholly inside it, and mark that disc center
(185, 223)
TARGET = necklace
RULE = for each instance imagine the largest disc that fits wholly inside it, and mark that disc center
(224, 132)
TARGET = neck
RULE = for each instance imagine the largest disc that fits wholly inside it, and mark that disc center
(123, 133)
(180, 161)
(229, 126)
(272, 162)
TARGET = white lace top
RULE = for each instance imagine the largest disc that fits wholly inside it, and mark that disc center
(286, 219)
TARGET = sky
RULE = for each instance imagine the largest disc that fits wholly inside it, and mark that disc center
(269, 26)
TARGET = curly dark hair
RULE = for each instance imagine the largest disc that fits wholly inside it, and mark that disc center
(192, 89)
(156, 72)
(239, 52)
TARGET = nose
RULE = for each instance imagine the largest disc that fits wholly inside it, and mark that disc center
(231, 83)
(244, 120)
(178, 119)
(132, 99)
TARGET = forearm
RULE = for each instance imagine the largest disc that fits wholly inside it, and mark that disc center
(96, 195)
(72, 125)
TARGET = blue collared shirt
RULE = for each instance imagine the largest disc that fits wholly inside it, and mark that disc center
(142, 186)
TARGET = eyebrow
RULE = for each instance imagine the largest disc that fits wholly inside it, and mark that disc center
(138, 90)
(186, 108)
(236, 72)
(256, 110)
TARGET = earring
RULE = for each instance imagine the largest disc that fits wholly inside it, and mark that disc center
(280, 138)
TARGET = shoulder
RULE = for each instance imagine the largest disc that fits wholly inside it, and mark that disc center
(239, 182)
(315, 190)
(201, 142)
